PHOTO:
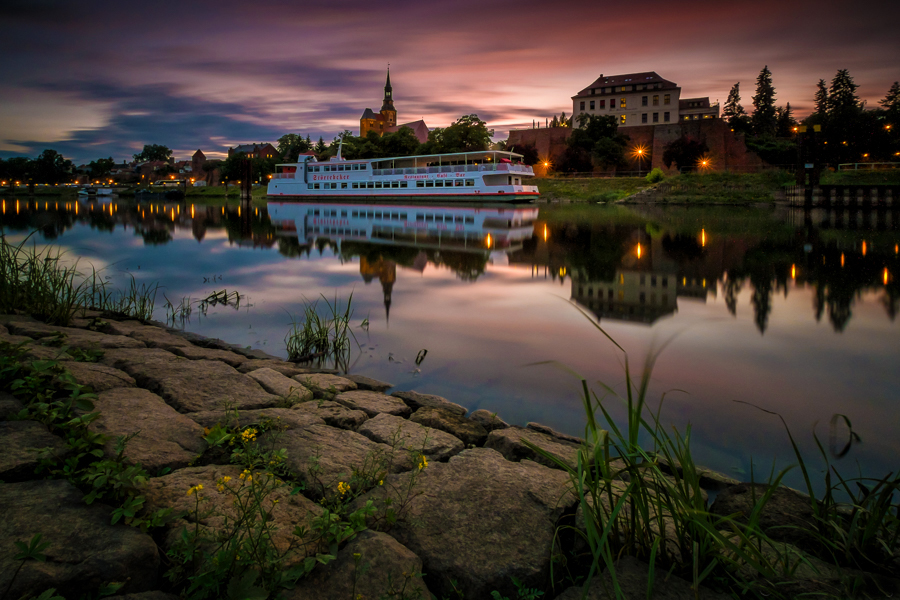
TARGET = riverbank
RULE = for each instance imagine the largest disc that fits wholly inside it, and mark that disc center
(253, 471)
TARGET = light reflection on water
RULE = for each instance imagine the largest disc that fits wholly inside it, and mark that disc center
(790, 311)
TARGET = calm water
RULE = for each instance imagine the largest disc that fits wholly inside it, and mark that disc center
(793, 312)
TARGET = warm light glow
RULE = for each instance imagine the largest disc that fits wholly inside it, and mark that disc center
(192, 211)
(887, 276)
(793, 271)
(703, 237)
(842, 260)
(562, 271)
(488, 241)
(896, 248)
(546, 233)
(639, 251)
(173, 214)
(864, 248)
(704, 282)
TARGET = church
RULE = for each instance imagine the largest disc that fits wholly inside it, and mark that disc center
(385, 121)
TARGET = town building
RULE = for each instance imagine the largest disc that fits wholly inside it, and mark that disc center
(197, 161)
(636, 99)
(255, 151)
(385, 121)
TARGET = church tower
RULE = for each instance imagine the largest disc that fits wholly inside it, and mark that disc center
(387, 107)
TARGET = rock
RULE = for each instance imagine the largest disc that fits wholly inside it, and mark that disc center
(367, 383)
(252, 353)
(373, 403)
(99, 377)
(632, 578)
(787, 517)
(510, 443)
(275, 383)
(553, 433)
(709, 479)
(153, 337)
(85, 551)
(323, 456)
(334, 414)
(470, 432)
(170, 491)
(384, 568)
(202, 341)
(193, 385)
(489, 420)
(23, 443)
(321, 383)
(285, 368)
(121, 357)
(164, 438)
(3, 330)
(479, 520)
(415, 401)
(195, 353)
(9, 406)
(75, 338)
(283, 418)
(391, 430)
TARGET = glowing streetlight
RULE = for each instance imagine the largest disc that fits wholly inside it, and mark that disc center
(793, 271)
(488, 241)
(638, 251)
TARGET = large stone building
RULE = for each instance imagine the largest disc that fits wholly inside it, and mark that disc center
(385, 121)
(255, 151)
(636, 99)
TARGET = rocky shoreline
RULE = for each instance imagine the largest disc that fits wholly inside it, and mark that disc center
(485, 510)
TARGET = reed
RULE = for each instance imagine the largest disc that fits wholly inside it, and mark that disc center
(321, 336)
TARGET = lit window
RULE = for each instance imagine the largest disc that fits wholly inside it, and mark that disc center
(622, 103)
(622, 120)
(667, 99)
(656, 100)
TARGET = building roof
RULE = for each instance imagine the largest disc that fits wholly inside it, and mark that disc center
(248, 148)
(369, 114)
(200, 152)
(626, 79)
(687, 103)
(419, 128)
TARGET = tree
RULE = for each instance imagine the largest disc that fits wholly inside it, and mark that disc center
(17, 168)
(821, 98)
(153, 152)
(891, 101)
(51, 167)
(467, 134)
(610, 152)
(100, 168)
(320, 147)
(685, 152)
(290, 145)
(842, 98)
(402, 142)
(763, 119)
(785, 121)
(528, 151)
(733, 112)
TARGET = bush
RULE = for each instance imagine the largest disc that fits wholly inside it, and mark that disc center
(655, 176)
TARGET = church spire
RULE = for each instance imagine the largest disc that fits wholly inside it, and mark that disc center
(388, 104)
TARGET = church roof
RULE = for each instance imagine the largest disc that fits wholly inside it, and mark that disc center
(369, 114)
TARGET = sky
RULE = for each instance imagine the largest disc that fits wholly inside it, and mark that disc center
(98, 79)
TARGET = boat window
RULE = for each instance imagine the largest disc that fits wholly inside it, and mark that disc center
(470, 182)
(470, 220)
(404, 184)
(458, 219)
(395, 184)
(429, 184)
(355, 213)
(403, 216)
(343, 186)
(439, 183)
(377, 185)
(355, 185)
(343, 213)
(310, 186)
(420, 184)
(429, 217)
(370, 184)
(317, 186)
(459, 183)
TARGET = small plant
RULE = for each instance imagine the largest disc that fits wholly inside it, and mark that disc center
(655, 176)
(321, 336)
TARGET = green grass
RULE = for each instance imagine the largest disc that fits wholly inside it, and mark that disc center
(861, 177)
(596, 189)
(722, 188)
(321, 336)
(633, 503)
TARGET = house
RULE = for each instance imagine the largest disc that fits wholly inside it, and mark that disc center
(694, 109)
(385, 121)
(637, 99)
(255, 151)
(197, 161)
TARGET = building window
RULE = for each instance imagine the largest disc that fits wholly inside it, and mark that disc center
(643, 100)
(656, 100)
(582, 106)
(643, 117)
(603, 104)
(656, 117)
(592, 105)
(593, 91)
(667, 99)
(622, 103)
(622, 120)
(666, 117)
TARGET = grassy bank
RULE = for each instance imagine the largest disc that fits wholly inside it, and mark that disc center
(861, 177)
(720, 188)
(598, 189)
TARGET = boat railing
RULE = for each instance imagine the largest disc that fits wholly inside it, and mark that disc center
(445, 169)
(283, 175)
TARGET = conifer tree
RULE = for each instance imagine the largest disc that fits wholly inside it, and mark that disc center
(763, 119)
(733, 109)
(842, 98)
(891, 101)
(821, 98)
(785, 120)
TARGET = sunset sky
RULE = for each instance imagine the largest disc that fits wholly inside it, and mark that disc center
(102, 78)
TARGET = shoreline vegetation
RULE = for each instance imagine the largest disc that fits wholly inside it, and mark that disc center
(164, 462)
(687, 188)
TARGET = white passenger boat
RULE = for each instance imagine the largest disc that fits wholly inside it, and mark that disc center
(490, 175)
(467, 228)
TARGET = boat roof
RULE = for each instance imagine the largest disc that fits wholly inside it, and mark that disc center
(480, 155)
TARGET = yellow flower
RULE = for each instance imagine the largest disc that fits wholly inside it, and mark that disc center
(246, 476)
(423, 463)
(381, 482)
(343, 488)
(194, 489)
(248, 435)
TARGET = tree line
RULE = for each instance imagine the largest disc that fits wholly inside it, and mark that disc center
(841, 126)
